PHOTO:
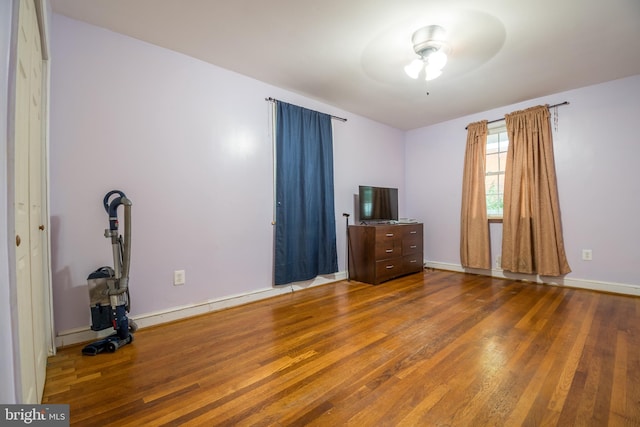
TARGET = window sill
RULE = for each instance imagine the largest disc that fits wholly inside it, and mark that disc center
(495, 220)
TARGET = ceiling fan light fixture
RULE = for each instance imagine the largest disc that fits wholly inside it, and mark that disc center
(437, 59)
(429, 45)
(431, 73)
(414, 68)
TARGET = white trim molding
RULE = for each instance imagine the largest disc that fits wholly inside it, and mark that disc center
(616, 288)
(85, 334)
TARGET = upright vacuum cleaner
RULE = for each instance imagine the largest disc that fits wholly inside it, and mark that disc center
(109, 287)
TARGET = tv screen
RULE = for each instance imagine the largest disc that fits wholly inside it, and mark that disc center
(378, 204)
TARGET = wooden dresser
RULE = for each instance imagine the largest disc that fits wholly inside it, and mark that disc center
(382, 252)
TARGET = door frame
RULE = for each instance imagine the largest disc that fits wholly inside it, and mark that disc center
(44, 19)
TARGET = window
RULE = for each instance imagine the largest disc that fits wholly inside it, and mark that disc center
(497, 145)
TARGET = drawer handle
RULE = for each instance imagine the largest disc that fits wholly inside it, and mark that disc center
(413, 261)
(413, 246)
(389, 251)
(389, 234)
(389, 267)
(413, 232)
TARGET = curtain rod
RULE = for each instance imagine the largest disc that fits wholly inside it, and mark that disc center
(333, 117)
(549, 107)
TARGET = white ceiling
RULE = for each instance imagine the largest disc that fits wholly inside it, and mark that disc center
(351, 53)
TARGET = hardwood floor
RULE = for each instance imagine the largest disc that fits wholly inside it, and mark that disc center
(431, 349)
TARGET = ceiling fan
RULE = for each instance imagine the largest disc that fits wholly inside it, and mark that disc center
(429, 44)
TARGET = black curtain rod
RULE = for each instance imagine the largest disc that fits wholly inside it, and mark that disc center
(550, 106)
(333, 117)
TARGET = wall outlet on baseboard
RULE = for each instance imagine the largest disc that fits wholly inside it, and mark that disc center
(179, 278)
(499, 262)
(587, 255)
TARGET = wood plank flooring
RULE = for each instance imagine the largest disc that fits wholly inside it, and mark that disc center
(432, 349)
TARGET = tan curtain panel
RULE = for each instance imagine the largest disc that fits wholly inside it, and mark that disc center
(532, 234)
(474, 226)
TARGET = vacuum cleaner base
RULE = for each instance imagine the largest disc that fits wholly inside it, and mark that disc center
(109, 344)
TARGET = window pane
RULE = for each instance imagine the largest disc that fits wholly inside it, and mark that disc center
(492, 164)
(491, 184)
(496, 160)
(494, 204)
(492, 144)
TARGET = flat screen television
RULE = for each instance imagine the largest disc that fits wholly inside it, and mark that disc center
(378, 204)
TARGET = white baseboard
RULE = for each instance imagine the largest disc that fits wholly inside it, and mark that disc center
(616, 288)
(85, 334)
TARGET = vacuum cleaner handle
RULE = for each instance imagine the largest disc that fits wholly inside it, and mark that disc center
(105, 201)
(126, 256)
(112, 206)
(121, 249)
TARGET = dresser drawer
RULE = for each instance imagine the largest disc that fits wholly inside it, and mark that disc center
(388, 268)
(412, 245)
(388, 249)
(386, 233)
(412, 231)
(412, 263)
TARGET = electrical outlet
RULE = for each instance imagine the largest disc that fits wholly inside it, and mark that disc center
(179, 278)
(499, 262)
(587, 255)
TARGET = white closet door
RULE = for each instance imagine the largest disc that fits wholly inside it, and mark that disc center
(29, 220)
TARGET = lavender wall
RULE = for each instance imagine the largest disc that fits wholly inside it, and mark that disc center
(596, 152)
(190, 144)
